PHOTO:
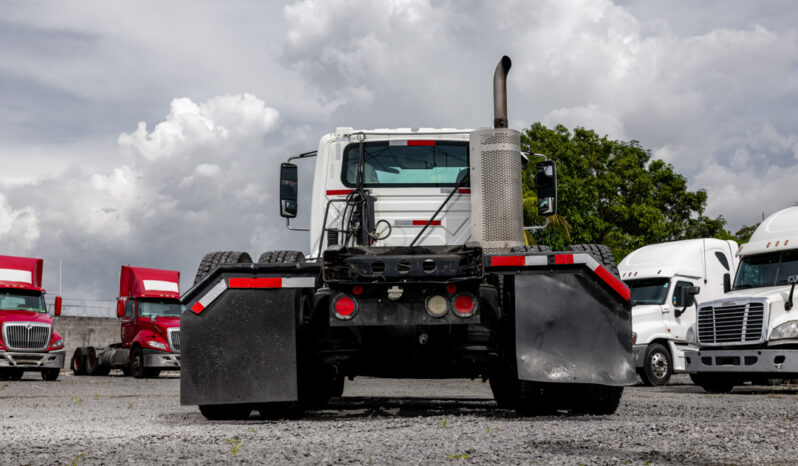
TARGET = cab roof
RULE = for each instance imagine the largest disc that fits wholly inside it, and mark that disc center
(775, 233)
(666, 260)
(149, 283)
(21, 272)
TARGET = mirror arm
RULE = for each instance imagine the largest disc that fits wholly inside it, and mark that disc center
(288, 225)
(303, 156)
(537, 227)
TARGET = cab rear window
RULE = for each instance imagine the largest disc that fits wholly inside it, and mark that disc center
(407, 163)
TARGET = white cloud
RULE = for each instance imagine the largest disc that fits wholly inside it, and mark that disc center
(19, 228)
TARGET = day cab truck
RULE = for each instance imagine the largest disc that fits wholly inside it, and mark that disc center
(751, 333)
(149, 308)
(416, 268)
(28, 341)
(657, 274)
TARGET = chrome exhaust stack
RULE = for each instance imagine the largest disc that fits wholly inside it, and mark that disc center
(500, 92)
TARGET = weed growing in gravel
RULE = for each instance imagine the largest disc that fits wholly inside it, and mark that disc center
(254, 430)
(460, 456)
(236, 443)
(96, 396)
(78, 400)
(442, 423)
(492, 429)
(130, 405)
(76, 459)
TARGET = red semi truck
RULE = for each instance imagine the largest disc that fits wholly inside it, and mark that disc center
(149, 308)
(28, 341)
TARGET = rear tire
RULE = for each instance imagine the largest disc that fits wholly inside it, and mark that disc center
(270, 257)
(15, 374)
(213, 259)
(78, 363)
(600, 252)
(225, 412)
(714, 383)
(91, 362)
(505, 386)
(597, 400)
(657, 365)
(50, 375)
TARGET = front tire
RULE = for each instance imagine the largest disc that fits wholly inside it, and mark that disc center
(657, 365)
(714, 383)
(50, 375)
(78, 363)
(137, 364)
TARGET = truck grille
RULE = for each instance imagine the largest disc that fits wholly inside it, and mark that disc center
(174, 339)
(26, 336)
(732, 324)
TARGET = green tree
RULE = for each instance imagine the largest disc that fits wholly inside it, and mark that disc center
(611, 192)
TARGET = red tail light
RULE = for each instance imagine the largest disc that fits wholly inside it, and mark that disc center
(345, 307)
(451, 288)
(465, 305)
(357, 290)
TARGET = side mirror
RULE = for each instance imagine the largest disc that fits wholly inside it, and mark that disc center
(546, 182)
(288, 190)
(687, 298)
(58, 304)
(120, 308)
(726, 282)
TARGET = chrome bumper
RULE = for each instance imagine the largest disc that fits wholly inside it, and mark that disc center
(163, 361)
(32, 361)
(771, 361)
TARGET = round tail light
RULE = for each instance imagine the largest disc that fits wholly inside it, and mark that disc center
(345, 307)
(437, 306)
(465, 305)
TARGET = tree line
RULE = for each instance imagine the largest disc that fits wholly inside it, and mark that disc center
(612, 192)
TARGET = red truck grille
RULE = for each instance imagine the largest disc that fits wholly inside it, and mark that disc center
(174, 339)
(26, 336)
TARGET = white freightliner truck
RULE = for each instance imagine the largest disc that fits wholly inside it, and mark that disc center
(656, 274)
(417, 269)
(751, 333)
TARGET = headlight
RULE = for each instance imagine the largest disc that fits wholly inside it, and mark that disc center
(58, 343)
(785, 330)
(690, 335)
(156, 344)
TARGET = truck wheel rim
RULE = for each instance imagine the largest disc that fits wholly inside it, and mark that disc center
(659, 365)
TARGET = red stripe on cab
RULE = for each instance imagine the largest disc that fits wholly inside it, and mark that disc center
(338, 192)
(421, 223)
(420, 142)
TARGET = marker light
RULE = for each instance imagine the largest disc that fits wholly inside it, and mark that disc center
(345, 307)
(437, 306)
(357, 290)
(464, 305)
(451, 288)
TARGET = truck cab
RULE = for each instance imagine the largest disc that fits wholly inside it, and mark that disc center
(658, 276)
(751, 333)
(149, 310)
(28, 341)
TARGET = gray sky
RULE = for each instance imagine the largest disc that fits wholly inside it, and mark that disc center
(149, 133)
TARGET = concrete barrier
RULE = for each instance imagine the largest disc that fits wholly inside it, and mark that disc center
(86, 331)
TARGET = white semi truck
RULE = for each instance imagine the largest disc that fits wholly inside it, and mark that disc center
(751, 333)
(656, 274)
(417, 268)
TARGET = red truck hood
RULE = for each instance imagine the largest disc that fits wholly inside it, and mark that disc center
(166, 322)
(25, 316)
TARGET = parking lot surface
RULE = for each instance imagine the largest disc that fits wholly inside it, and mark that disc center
(115, 419)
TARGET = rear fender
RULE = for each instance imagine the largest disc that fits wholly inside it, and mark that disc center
(239, 334)
(572, 319)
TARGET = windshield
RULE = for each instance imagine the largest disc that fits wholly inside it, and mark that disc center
(649, 290)
(159, 307)
(399, 163)
(22, 300)
(770, 269)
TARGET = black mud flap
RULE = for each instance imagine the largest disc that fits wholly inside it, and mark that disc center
(572, 328)
(238, 334)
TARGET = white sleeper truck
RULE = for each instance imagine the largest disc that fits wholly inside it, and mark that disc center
(661, 321)
(416, 269)
(751, 333)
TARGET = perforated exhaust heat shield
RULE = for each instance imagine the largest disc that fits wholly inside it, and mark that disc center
(496, 203)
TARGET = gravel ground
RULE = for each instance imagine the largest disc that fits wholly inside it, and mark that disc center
(111, 420)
